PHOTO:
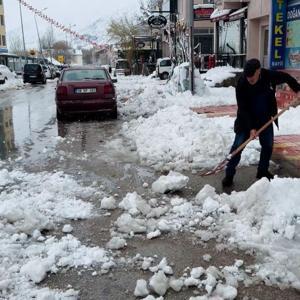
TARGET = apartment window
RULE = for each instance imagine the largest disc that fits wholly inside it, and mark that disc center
(3, 40)
(0, 2)
(2, 20)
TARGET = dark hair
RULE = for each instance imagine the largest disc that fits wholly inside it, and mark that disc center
(251, 66)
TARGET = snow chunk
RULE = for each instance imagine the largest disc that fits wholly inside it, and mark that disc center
(116, 243)
(135, 204)
(174, 181)
(67, 228)
(36, 270)
(128, 224)
(153, 234)
(108, 203)
(210, 205)
(159, 283)
(141, 289)
(226, 292)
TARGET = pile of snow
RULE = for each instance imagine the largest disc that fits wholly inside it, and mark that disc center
(179, 81)
(12, 83)
(143, 96)
(30, 204)
(219, 74)
(177, 138)
(215, 283)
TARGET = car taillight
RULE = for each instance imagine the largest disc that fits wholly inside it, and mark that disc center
(62, 91)
(108, 89)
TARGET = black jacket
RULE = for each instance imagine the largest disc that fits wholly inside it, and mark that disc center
(266, 86)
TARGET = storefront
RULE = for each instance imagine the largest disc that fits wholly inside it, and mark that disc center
(285, 41)
(292, 51)
(231, 35)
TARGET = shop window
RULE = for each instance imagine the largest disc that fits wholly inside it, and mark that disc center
(229, 37)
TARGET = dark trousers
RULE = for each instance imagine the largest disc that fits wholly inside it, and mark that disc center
(266, 140)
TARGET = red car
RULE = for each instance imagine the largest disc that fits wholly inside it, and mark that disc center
(85, 90)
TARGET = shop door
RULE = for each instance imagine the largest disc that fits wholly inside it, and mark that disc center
(265, 46)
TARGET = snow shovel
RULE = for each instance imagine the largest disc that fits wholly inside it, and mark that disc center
(218, 168)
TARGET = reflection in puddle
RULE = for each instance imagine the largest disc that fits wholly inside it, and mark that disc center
(7, 136)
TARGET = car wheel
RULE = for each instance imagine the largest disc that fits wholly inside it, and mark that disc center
(114, 114)
(59, 115)
(164, 76)
(2, 81)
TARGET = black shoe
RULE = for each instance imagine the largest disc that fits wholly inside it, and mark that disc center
(266, 174)
(227, 181)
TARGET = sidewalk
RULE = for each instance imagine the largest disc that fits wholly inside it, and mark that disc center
(286, 147)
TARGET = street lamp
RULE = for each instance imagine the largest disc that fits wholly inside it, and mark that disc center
(21, 17)
(38, 34)
(70, 27)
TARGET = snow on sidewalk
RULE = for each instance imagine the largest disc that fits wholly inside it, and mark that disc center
(31, 204)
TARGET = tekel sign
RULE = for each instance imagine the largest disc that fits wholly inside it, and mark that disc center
(157, 21)
(278, 34)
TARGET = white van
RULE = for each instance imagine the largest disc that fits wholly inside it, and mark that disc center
(163, 67)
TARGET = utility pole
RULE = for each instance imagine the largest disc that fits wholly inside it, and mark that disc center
(190, 22)
(22, 27)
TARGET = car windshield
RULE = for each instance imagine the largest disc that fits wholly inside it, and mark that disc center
(79, 75)
(32, 68)
(123, 64)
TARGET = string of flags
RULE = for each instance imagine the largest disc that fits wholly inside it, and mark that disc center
(61, 26)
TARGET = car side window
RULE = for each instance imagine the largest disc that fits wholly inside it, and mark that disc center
(165, 63)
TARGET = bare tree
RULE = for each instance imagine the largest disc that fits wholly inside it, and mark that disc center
(15, 45)
(47, 40)
(60, 48)
(122, 31)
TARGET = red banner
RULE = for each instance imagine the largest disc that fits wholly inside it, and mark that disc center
(62, 27)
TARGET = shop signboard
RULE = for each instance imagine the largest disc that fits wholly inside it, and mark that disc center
(157, 21)
(292, 52)
(278, 34)
(202, 13)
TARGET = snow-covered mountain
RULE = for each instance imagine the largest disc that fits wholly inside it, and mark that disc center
(96, 32)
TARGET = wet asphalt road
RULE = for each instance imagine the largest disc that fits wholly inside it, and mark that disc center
(94, 152)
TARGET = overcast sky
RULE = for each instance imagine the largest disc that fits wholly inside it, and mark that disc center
(79, 12)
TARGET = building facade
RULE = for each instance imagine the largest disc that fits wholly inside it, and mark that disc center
(3, 42)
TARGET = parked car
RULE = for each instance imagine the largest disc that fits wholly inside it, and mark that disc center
(122, 67)
(85, 90)
(107, 67)
(163, 67)
(34, 73)
(5, 74)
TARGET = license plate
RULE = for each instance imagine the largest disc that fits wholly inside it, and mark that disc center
(32, 76)
(85, 91)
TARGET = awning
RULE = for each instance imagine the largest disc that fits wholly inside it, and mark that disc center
(220, 14)
(238, 14)
(196, 6)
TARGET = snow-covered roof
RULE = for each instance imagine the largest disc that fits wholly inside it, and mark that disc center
(239, 11)
(53, 61)
(220, 13)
